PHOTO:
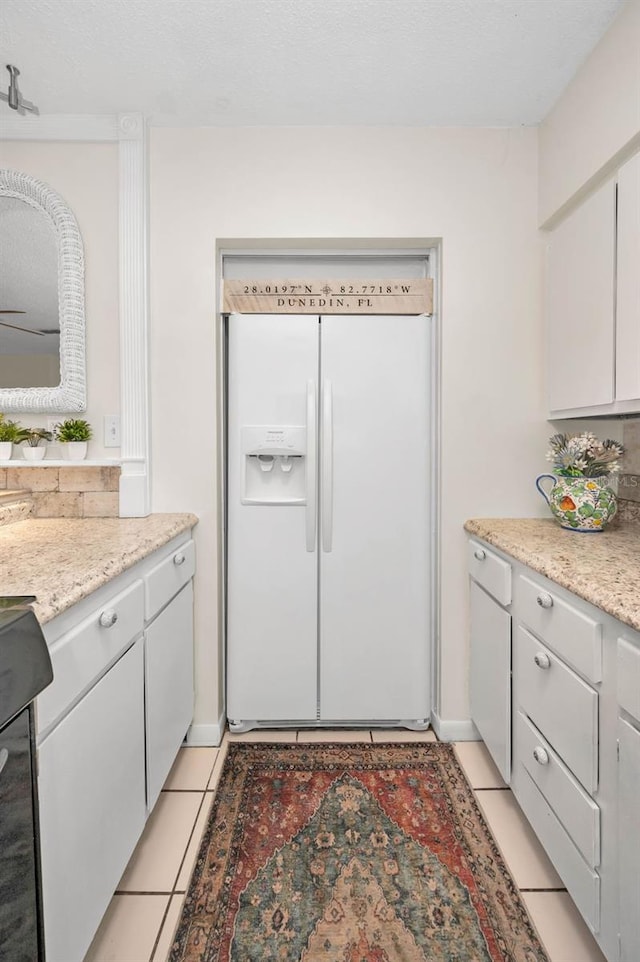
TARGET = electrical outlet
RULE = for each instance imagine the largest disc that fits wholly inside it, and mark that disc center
(52, 423)
(111, 431)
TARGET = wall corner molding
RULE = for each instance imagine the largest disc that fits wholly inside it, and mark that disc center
(135, 500)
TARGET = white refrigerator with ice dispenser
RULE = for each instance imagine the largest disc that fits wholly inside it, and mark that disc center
(328, 520)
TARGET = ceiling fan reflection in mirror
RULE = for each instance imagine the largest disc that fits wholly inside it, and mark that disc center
(13, 96)
(26, 330)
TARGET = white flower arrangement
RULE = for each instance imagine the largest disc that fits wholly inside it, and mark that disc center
(583, 455)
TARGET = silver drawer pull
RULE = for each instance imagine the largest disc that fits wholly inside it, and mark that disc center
(542, 660)
(480, 554)
(541, 756)
(179, 558)
(4, 758)
(545, 600)
(108, 618)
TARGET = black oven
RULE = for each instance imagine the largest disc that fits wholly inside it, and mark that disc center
(25, 669)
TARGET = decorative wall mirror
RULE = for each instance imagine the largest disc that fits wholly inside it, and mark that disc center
(42, 320)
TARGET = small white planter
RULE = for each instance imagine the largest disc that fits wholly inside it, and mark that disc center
(34, 454)
(5, 450)
(75, 450)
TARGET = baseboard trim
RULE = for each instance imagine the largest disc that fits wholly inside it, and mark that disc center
(200, 736)
(449, 730)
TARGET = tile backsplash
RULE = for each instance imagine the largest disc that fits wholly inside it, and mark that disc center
(629, 480)
(68, 492)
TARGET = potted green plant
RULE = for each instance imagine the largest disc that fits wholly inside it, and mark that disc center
(31, 438)
(10, 434)
(73, 434)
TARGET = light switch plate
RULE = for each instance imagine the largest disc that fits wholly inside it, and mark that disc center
(111, 431)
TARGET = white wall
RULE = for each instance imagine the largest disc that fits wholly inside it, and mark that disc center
(597, 118)
(475, 189)
(86, 176)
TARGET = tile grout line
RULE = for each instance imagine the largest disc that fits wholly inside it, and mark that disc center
(174, 891)
(542, 890)
(160, 928)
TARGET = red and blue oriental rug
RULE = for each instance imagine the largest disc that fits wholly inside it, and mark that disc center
(350, 853)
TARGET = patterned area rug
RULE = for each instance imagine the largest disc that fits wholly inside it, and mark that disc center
(350, 853)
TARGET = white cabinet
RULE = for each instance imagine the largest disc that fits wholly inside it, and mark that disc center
(168, 662)
(580, 319)
(556, 702)
(92, 805)
(490, 667)
(628, 732)
(108, 730)
(168, 687)
(628, 283)
(593, 302)
(574, 727)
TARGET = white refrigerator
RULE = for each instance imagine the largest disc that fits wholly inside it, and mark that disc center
(328, 520)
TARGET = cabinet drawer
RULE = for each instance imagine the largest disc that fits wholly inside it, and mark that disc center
(628, 672)
(576, 811)
(583, 884)
(81, 655)
(168, 577)
(490, 571)
(571, 633)
(560, 704)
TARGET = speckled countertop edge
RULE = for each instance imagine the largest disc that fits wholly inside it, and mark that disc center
(62, 560)
(603, 568)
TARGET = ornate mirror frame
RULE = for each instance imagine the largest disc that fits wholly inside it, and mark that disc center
(128, 131)
(70, 395)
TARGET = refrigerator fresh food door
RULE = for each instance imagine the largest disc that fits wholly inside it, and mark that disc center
(374, 518)
(272, 607)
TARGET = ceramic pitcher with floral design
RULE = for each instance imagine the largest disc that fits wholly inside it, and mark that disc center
(580, 504)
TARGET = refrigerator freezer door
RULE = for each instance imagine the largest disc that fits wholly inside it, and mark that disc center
(374, 581)
(271, 577)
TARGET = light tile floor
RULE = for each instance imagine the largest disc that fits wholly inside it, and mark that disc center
(142, 917)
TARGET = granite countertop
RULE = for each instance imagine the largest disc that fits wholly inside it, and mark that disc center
(603, 567)
(62, 560)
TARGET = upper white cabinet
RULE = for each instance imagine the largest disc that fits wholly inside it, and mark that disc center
(628, 283)
(593, 302)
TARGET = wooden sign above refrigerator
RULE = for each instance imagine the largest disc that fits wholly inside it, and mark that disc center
(328, 297)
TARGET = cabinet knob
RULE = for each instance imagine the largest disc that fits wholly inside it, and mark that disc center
(541, 756)
(108, 618)
(480, 554)
(542, 660)
(545, 600)
(179, 558)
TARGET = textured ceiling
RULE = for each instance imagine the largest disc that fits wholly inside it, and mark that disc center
(269, 62)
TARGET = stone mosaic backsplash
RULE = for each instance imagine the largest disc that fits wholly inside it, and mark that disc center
(629, 479)
(67, 492)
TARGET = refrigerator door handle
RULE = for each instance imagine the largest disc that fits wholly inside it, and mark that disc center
(311, 468)
(327, 467)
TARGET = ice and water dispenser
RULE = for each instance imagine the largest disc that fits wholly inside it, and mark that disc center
(273, 470)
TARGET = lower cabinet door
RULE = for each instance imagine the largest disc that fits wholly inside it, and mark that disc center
(629, 840)
(92, 805)
(169, 687)
(490, 676)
